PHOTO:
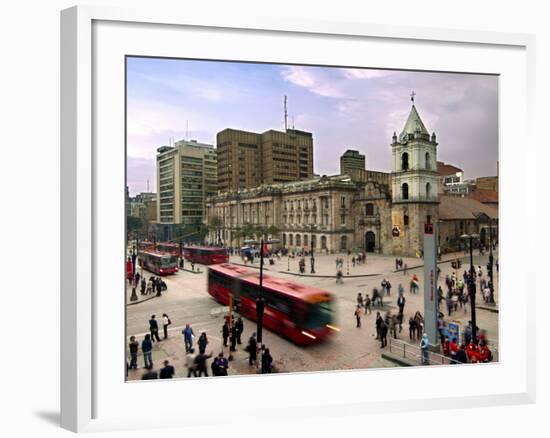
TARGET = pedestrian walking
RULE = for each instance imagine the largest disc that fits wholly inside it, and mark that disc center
(401, 303)
(383, 333)
(358, 312)
(378, 324)
(251, 349)
(190, 362)
(188, 336)
(158, 285)
(239, 327)
(133, 347)
(168, 371)
(339, 279)
(165, 323)
(154, 328)
(424, 345)
(412, 329)
(143, 286)
(202, 342)
(359, 299)
(200, 364)
(233, 335)
(267, 362)
(388, 287)
(367, 305)
(147, 350)
(225, 332)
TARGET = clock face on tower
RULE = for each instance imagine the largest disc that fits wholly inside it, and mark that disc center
(403, 137)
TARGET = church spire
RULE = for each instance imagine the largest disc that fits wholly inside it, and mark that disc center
(414, 123)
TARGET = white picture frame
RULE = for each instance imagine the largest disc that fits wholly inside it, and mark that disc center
(93, 392)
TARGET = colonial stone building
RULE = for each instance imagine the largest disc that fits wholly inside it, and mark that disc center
(361, 210)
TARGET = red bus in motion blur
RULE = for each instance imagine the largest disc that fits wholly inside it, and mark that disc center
(171, 248)
(205, 255)
(295, 311)
(159, 263)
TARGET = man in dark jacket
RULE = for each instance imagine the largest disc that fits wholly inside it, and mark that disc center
(150, 374)
(251, 348)
(200, 364)
(168, 371)
(225, 333)
(461, 355)
(134, 346)
(267, 361)
(239, 326)
(154, 328)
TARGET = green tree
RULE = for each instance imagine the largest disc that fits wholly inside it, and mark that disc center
(133, 224)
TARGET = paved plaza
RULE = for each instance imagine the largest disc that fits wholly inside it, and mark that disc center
(187, 302)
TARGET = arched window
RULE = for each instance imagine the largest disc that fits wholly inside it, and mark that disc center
(298, 240)
(324, 242)
(428, 160)
(284, 240)
(405, 161)
(405, 191)
(428, 190)
(305, 239)
(313, 242)
(369, 209)
(290, 239)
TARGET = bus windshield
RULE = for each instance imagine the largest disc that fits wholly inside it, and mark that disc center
(167, 261)
(319, 315)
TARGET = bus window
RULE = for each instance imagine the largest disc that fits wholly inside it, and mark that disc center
(318, 315)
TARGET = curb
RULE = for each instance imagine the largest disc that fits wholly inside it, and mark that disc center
(397, 360)
(306, 275)
(132, 303)
(488, 309)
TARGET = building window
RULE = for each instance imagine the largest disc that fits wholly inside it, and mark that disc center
(406, 219)
(428, 190)
(324, 242)
(427, 160)
(284, 240)
(343, 203)
(369, 209)
(298, 240)
(405, 191)
(343, 219)
(344, 243)
(428, 219)
(405, 161)
(290, 239)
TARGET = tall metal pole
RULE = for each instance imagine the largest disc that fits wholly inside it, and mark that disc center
(472, 287)
(260, 306)
(491, 287)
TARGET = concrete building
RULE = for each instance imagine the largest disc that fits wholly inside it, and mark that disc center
(351, 160)
(186, 176)
(249, 159)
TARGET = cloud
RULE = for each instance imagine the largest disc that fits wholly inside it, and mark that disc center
(312, 80)
(363, 73)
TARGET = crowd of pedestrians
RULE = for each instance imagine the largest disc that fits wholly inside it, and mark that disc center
(197, 362)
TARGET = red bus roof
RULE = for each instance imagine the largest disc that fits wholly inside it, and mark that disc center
(156, 253)
(276, 284)
(168, 243)
(203, 248)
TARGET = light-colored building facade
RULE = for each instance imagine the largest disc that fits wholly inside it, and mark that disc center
(249, 159)
(186, 176)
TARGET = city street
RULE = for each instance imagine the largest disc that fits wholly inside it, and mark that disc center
(187, 302)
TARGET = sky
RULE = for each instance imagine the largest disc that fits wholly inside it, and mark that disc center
(344, 108)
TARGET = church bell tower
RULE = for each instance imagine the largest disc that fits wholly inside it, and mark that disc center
(415, 184)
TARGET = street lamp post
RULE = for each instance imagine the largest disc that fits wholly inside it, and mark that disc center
(472, 285)
(260, 304)
(347, 264)
(491, 286)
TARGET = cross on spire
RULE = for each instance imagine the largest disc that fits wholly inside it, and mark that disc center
(412, 96)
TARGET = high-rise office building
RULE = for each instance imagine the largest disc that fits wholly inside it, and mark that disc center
(249, 159)
(186, 176)
(350, 161)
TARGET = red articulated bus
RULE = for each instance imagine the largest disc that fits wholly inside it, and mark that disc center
(205, 255)
(159, 263)
(170, 248)
(300, 313)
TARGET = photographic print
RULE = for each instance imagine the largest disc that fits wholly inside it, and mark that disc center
(295, 218)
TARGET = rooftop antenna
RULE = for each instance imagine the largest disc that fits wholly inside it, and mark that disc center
(293, 122)
(286, 116)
